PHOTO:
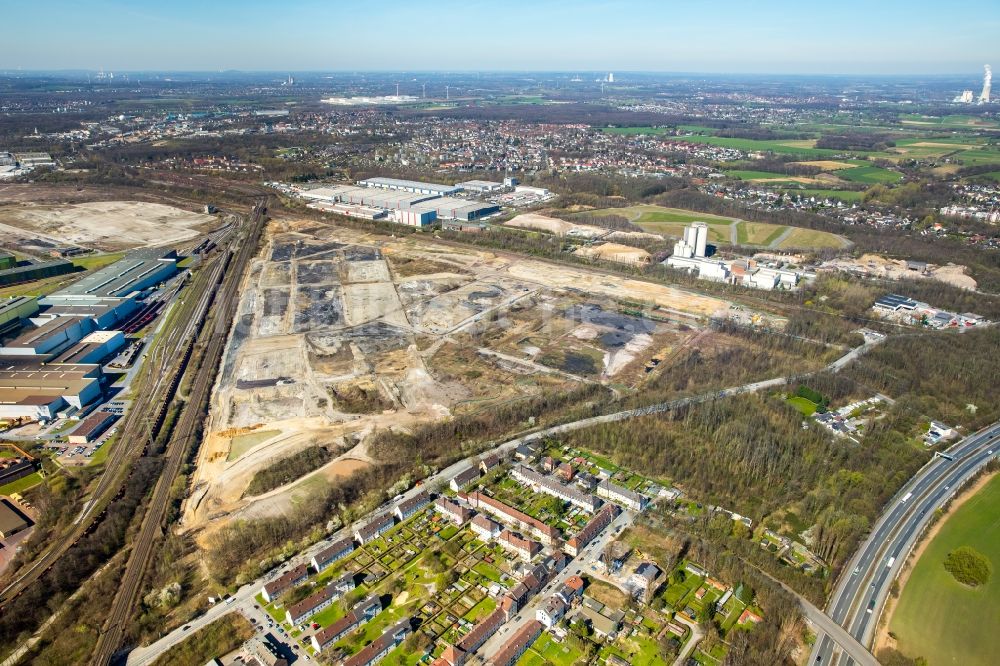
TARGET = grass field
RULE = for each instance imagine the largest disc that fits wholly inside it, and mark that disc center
(805, 407)
(95, 261)
(869, 174)
(844, 195)
(243, 443)
(783, 146)
(938, 618)
(810, 239)
(770, 177)
(758, 233)
(22, 484)
(670, 221)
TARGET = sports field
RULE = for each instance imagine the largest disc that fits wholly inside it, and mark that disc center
(670, 221)
(941, 620)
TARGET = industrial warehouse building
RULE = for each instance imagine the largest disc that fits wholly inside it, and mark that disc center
(37, 271)
(13, 310)
(92, 427)
(104, 312)
(413, 186)
(406, 205)
(51, 337)
(35, 390)
(139, 270)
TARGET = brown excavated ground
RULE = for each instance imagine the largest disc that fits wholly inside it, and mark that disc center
(341, 333)
(882, 638)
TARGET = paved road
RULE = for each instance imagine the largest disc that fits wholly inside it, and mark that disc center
(862, 590)
(244, 597)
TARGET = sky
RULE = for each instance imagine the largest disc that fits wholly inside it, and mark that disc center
(713, 36)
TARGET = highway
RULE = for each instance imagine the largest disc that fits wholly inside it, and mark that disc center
(862, 590)
(220, 298)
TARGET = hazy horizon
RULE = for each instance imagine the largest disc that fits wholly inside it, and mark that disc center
(891, 38)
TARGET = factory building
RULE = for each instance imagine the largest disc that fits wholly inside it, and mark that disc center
(33, 390)
(105, 312)
(35, 271)
(139, 270)
(481, 186)
(52, 337)
(410, 205)
(13, 310)
(413, 186)
(92, 427)
(93, 348)
(7, 260)
(689, 254)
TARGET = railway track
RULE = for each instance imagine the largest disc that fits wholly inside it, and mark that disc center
(224, 297)
(159, 379)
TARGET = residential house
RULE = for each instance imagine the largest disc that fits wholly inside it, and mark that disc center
(452, 510)
(284, 582)
(374, 529)
(486, 529)
(361, 613)
(594, 526)
(335, 551)
(517, 645)
(509, 514)
(551, 612)
(515, 543)
(381, 646)
(644, 581)
(615, 493)
(314, 603)
(464, 478)
(406, 509)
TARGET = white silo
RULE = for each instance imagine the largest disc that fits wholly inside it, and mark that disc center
(701, 238)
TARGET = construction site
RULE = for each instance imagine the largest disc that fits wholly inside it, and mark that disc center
(101, 225)
(341, 333)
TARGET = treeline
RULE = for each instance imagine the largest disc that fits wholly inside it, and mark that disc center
(24, 613)
(950, 376)
(750, 454)
(444, 442)
(777, 638)
(286, 470)
(856, 141)
(244, 549)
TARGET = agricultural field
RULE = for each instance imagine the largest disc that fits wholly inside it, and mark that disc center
(869, 175)
(937, 617)
(952, 121)
(847, 196)
(802, 147)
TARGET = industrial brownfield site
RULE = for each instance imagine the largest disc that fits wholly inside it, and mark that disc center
(343, 333)
(410, 334)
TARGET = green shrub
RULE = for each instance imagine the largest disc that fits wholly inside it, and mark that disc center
(968, 566)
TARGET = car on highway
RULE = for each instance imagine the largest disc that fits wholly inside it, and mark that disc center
(871, 605)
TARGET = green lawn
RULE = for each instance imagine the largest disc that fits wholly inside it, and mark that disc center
(669, 221)
(844, 195)
(870, 175)
(938, 618)
(243, 443)
(805, 407)
(22, 484)
(95, 261)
